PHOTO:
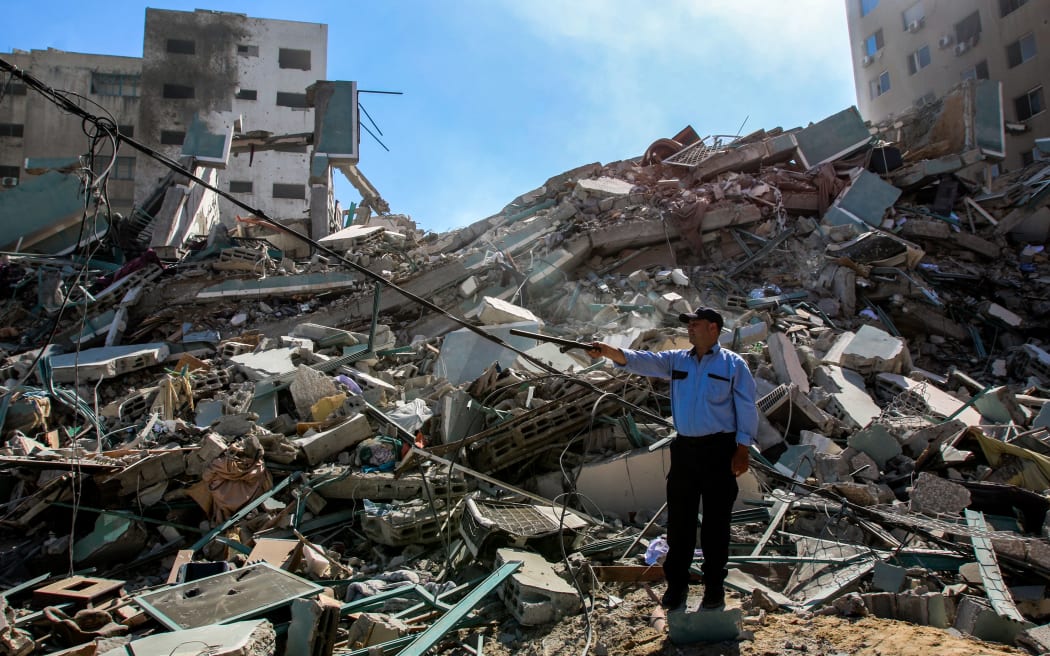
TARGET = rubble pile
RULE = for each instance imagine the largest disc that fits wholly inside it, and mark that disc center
(297, 456)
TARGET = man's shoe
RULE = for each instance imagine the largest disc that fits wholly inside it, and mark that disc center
(713, 598)
(674, 597)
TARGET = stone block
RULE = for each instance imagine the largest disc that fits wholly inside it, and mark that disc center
(106, 362)
(602, 188)
(877, 442)
(786, 362)
(881, 604)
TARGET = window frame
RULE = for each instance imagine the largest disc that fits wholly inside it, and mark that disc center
(915, 59)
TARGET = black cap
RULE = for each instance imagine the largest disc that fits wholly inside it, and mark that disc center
(702, 313)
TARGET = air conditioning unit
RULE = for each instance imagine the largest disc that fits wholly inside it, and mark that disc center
(866, 61)
(946, 40)
(8, 182)
(914, 26)
(960, 48)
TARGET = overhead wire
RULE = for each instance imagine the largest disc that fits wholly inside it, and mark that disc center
(71, 107)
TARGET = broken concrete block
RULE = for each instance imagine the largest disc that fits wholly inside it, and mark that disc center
(849, 400)
(872, 350)
(468, 287)
(106, 362)
(535, 594)
(323, 446)
(888, 578)
(999, 406)
(209, 448)
(465, 355)
(832, 468)
(786, 362)
(374, 629)
(876, 441)
(937, 402)
(933, 495)
(864, 494)
(307, 388)
(864, 467)
(158, 467)
(247, 638)
(977, 618)
(602, 188)
(266, 364)
(496, 312)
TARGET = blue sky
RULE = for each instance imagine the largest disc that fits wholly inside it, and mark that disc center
(500, 95)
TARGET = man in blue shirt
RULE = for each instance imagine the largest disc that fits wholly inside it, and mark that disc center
(715, 416)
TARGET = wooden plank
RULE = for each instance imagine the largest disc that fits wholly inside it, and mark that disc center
(980, 210)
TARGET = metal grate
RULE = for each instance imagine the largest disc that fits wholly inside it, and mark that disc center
(693, 154)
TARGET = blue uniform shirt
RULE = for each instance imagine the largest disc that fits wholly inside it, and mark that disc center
(714, 393)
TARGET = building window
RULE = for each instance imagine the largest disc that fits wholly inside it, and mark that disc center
(918, 60)
(127, 131)
(172, 137)
(13, 89)
(868, 6)
(978, 72)
(245, 50)
(297, 100)
(182, 46)
(913, 17)
(1010, 6)
(880, 85)
(178, 92)
(115, 84)
(1020, 50)
(247, 94)
(241, 186)
(1029, 104)
(10, 129)
(873, 43)
(123, 169)
(293, 191)
(290, 58)
(968, 30)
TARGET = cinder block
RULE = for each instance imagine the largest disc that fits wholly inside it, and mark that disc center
(535, 594)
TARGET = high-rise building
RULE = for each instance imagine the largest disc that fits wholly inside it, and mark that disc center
(31, 126)
(909, 52)
(252, 72)
(208, 61)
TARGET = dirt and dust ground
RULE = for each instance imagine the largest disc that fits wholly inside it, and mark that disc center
(625, 631)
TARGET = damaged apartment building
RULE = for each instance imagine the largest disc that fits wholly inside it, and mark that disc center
(375, 439)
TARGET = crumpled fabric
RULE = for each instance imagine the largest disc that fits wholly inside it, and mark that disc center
(232, 481)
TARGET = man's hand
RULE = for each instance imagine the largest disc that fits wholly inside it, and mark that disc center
(741, 459)
(603, 350)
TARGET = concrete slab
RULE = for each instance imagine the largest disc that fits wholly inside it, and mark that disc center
(864, 202)
(786, 363)
(939, 403)
(249, 638)
(831, 138)
(266, 364)
(465, 355)
(849, 401)
(936, 496)
(107, 362)
(602, 188)
(496, 311)
(873, 349)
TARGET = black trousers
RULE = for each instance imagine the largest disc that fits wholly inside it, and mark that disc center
(701, 467)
